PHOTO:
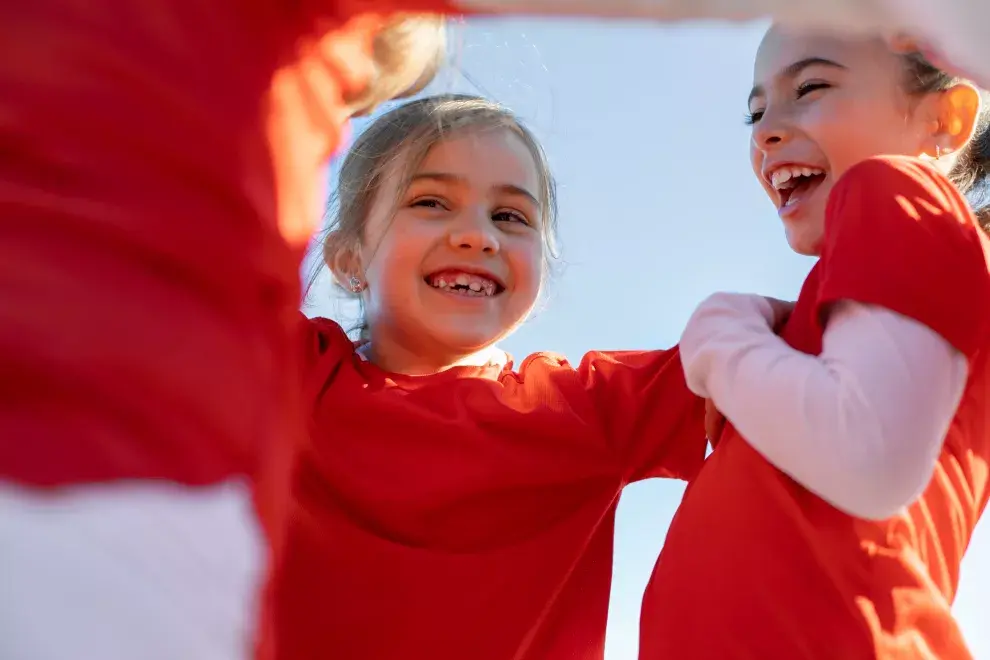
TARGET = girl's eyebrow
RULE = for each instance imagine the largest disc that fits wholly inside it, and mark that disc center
(446, 177)
(793, 70)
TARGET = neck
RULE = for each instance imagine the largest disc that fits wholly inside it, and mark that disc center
(399, 359)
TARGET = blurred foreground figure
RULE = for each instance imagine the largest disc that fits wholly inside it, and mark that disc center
(953, 28)
(160, 176)
(160, 168)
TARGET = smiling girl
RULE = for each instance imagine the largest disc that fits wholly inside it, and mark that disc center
(451, 503)
(148, 262)
(858, 441)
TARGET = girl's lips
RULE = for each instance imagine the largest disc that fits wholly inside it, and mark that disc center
(784, 177)
(464, 283)
(793, 199)
(465, 276)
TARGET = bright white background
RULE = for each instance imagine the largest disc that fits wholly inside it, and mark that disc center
(644, 129)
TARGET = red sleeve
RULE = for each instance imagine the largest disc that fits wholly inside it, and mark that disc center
(319, 337)
(899, 235)
(323, 345)
(648, 415)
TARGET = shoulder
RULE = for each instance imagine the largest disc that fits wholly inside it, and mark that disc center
(544, 360)
(893, 170)
(320, 336)
(905, 164)
(894, 207)
(897, 188)
(556, 362)
(596, 367)
(535, 366)
(899, 235)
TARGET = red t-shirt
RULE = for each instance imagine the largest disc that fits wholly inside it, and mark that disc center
(470, 514)
(160, 166)
(754, 565)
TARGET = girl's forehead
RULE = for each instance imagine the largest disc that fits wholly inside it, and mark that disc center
(497, 154)
(782, 49)
(471, 140)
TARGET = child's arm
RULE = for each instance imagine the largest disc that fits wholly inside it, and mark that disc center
(861, 425)
(646, 413)
(648, 416)
(904, 295)
(953, 27)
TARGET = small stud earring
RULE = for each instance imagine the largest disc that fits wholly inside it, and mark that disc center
(356, 284)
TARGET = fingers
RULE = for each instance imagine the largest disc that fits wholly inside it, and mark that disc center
(902, 43)
(781, 310)
(905, 44)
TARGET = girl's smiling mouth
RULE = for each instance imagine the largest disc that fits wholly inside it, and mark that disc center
(464, 283)
(794, 183)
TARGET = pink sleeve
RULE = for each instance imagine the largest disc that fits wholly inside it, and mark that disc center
(860, 425)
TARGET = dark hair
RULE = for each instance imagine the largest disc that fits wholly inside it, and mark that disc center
(973, 164)
(394, 145)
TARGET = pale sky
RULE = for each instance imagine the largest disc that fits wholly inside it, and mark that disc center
(658, 208)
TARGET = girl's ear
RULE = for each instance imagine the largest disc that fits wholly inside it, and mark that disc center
(958, 111)
(344, 261)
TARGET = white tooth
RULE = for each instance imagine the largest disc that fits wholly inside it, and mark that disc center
(490, 289)
(475, 286)
(780, 177)
(442, 283)
(806, 171)
(462, 280)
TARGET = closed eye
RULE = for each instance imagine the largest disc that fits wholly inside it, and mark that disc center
(428, 202)
(807, 88)
(801, 91)
(509, 216)
(754, 117)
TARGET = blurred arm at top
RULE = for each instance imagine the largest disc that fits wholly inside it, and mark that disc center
(953, 28)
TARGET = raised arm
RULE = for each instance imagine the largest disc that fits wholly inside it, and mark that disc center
(954, 28)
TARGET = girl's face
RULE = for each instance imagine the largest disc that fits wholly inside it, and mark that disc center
(819, 105)
(458, 265)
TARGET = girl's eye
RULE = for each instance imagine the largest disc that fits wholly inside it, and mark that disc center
(802, 90)
(753, 117)
(428, 202)
(509, 216)
(807, 88)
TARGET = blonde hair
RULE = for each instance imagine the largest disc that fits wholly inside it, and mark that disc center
(407, 52)
(396, 143)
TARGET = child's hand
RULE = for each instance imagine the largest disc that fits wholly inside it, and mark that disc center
(714, 419)
(714, 422)
(781, 312)
(721, 322)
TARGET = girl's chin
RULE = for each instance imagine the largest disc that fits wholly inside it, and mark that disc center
(804, 240)
(463, 343)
